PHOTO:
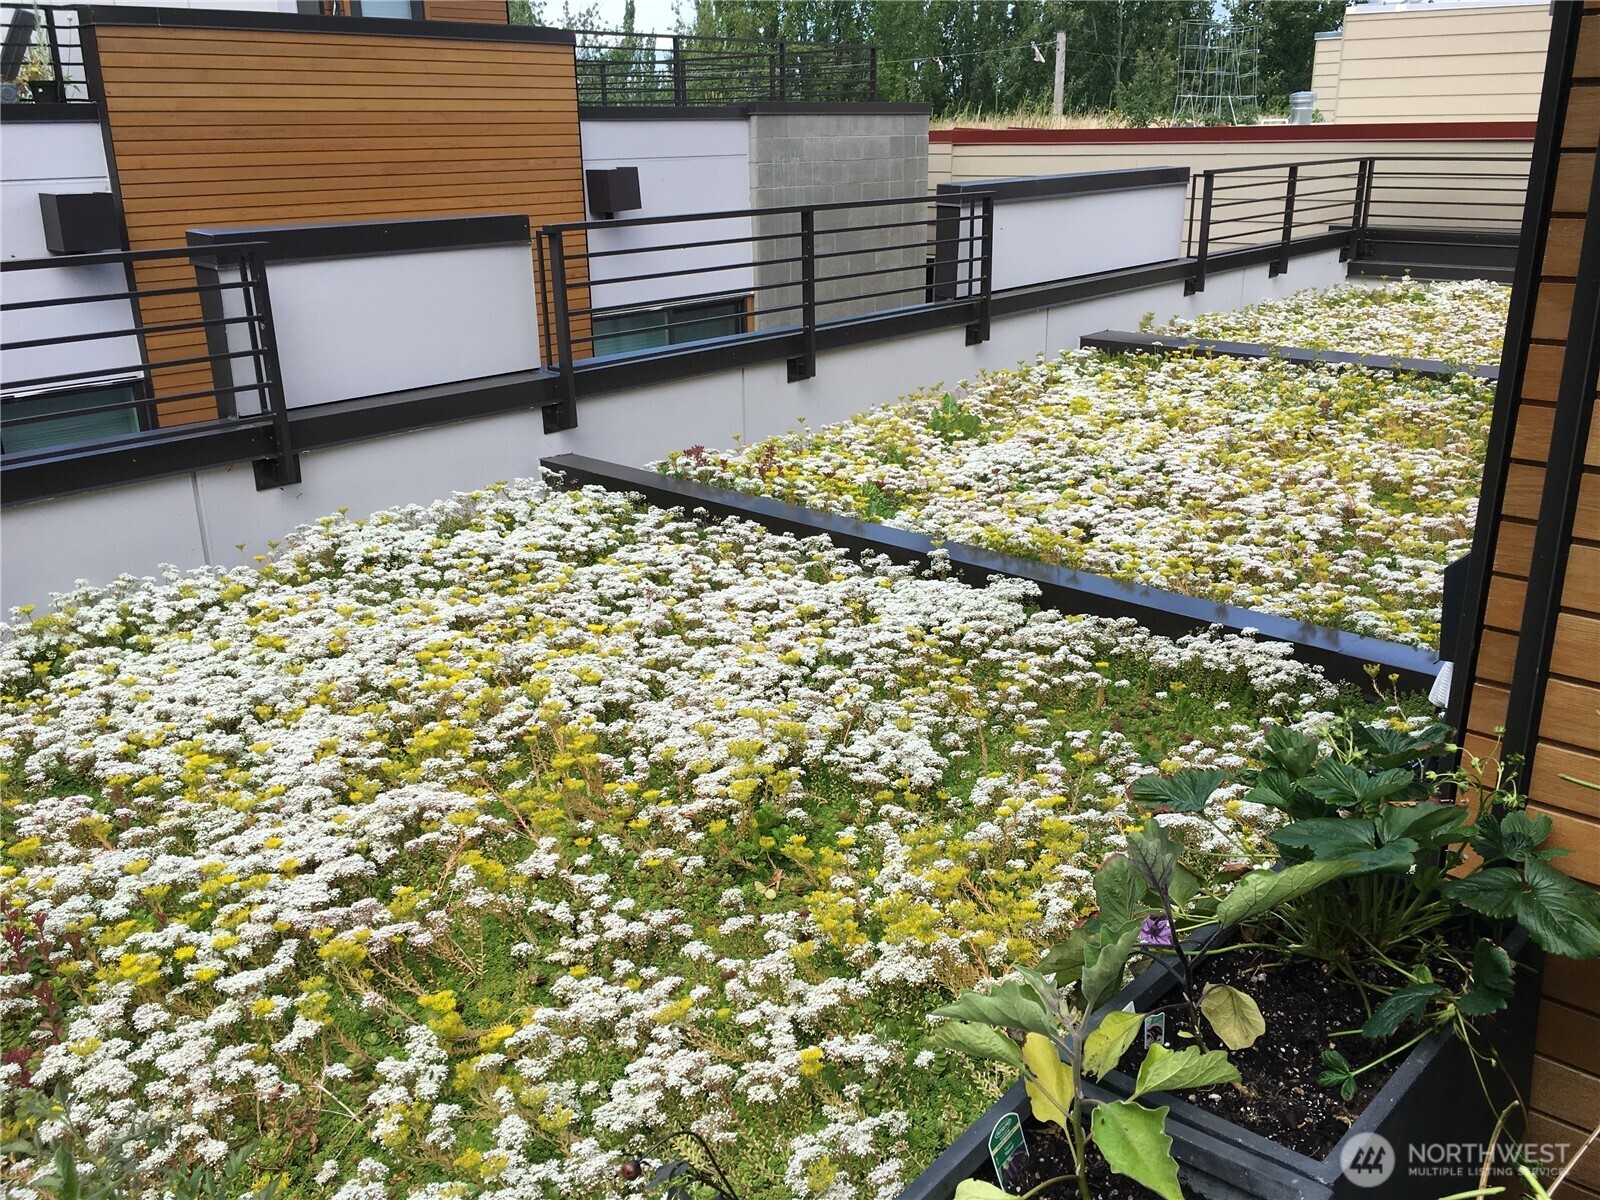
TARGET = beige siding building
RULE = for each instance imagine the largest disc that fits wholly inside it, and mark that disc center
(1453, 60)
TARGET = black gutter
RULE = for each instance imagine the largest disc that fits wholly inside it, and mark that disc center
(208, 18)
(758, 108)
(66, 110)
(1513, 361)
(356, 239)
(1344, 656)
(1144, 343)
(1082, 183)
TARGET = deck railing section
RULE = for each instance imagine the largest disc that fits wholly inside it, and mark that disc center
(83, 364)
(43, 55)
(686, 70)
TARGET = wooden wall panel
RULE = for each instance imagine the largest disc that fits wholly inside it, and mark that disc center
(1566, 752)
(240, 126)
(490, 12)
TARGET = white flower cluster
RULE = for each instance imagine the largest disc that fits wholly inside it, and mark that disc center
(473, 849)
(1329, 494)
(1460, 322)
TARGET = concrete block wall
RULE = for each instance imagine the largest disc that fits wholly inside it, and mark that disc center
(837, 157)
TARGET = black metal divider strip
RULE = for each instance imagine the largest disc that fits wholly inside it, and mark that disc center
(1142, 343)
(1344, 656)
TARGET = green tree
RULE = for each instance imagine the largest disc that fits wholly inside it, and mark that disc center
(1288, 30)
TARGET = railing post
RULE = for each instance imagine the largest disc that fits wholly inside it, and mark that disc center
(1281, 263)
(783, 71)
(1353, 246)
(1363, 225)
(283, 469)
(872, 73)
(603, 91)
(1197, 281)
(564, 413)
(804, 365)
(54, 41)
(680, 75)
(978, 331)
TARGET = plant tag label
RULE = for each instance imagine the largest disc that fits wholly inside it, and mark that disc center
(1155, 1029)
(1008, 1151)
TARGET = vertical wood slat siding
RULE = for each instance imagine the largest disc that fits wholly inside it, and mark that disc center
(238, 127)
(1565, 1099)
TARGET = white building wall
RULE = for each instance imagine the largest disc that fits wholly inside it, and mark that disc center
(1059, 237)
(65, 157)
(685, 166)
(200, 518)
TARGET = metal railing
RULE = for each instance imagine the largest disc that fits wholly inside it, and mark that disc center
(93, 354)
(1282, 204)
(687, 70)
(771, 271)
(51, 68)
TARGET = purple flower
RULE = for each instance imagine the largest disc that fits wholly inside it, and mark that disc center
(1157, 931)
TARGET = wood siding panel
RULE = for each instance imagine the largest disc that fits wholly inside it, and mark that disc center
(236, 127)
(490, 12)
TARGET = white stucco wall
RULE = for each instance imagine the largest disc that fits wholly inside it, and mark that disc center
(199, 518)
(685, 166)
(1059, 237)
(352, 327)
(56, 157)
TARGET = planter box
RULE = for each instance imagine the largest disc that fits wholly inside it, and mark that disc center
(1433, 1100)
(1432, 1112)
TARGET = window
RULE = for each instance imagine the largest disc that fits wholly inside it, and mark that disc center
(675, 325)
(73, 425)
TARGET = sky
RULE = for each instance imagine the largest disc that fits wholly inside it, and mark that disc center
(649, 15)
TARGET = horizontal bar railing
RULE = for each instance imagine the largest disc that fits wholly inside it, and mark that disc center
(52, 70)
(81, 366)
(686, 70)
(1273, 206)
(607, 287)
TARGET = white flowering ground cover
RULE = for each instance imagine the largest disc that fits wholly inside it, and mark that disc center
(1330, 494)
(1460, 322)
(464, 850)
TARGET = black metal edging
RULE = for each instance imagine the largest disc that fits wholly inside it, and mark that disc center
(1081, 183)
(1143, 343)
(1344, 656)
(1558, 504)
(65, 110)
(1513, 361)
(184, 18)
(755, 108)
(357, 239)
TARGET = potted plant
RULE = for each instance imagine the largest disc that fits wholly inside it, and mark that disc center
(1392, 950)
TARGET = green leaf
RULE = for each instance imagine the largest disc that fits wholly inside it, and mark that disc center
(1134, 1141)
(1010, 1005)
(1118, 890)
(1428, 823)
(1521, 834)
(1289, 751)
(976, 1041)
(1350, 787)
(1154, 856)
(1063, 962)
(1407, 1004)
(1234, 1015)
(1492, 985)
(1385, 746)
(978, 1189)
(1104, 959)
(1188, 790)
(1329, 838)
(1109, 1041)
(1185, 886)
(1048, 1080)
(1280, 790)
(1166, 1070)
(1338, 1075)
(1493, 891)
(1261, 891)
(1559, 913)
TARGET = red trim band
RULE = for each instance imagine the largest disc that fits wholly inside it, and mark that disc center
(1368, 131)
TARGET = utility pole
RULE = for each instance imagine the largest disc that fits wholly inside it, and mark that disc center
(1057, 105)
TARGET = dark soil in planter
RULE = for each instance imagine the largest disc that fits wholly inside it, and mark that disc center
(1304, 1004)
(1050, 1155)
